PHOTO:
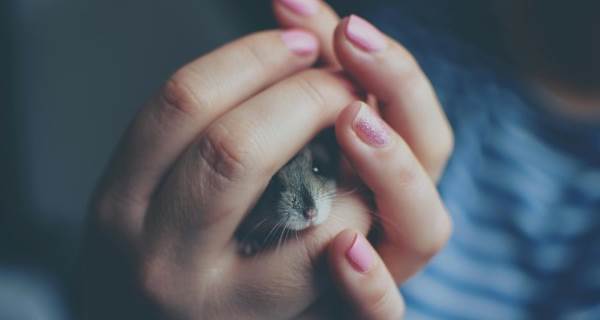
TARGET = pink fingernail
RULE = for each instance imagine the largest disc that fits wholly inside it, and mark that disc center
(364, 35)
(360, 255)
(370, 128)
(302, 7)
(300, 42)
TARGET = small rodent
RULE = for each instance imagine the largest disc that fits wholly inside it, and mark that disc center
(298, 196)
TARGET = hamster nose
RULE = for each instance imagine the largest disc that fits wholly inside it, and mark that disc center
(310, 214)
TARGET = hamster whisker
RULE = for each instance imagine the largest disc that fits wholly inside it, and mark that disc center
(337, 194)
(256, 226)
(274, 228)
(284, 230)
(348, 192)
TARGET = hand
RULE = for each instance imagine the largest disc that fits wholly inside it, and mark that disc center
(399, 159)
(161, 237)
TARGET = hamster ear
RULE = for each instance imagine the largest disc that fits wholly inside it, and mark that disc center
(326, 148)
(327, 139)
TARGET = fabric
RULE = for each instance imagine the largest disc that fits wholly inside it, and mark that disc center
(522, 187)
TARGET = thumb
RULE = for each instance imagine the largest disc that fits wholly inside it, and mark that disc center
(363, 279)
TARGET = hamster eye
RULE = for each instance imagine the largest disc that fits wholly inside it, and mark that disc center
(318, 168)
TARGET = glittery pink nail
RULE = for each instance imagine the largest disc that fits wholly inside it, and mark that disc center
(370, 128)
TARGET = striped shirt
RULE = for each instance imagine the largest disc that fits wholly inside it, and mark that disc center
(523, 190)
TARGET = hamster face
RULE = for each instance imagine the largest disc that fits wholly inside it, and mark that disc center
(305, 188)
(300, 195)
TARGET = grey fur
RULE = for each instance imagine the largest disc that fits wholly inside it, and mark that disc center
(305, 183)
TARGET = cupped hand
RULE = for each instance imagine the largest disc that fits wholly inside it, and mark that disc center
(399, 149)
(160, 242)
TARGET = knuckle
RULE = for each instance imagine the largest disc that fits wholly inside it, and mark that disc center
(406, 71)
(443, 234)
(439, 155)
(178, 96)
(110, 209)
(407, 170)
(307, 83)
(253, 51)
(407, 65)
(383, 302)
(437, 239)
(117, 218)
(102, 209)
(153, 277)
(226, 157)
(446, 146)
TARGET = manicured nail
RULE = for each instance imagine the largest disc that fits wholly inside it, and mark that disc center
(364, 35)
(302, 7)
(300, 42)
(370, 128)
(360, 255)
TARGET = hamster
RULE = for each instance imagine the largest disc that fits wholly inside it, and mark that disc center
(298, 196)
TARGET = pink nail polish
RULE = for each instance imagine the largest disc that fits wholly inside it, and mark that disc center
(370, 128)
(302, 7)
(360, 255)
(300, 42)
(364, 35)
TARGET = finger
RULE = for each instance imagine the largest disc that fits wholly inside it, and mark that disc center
(219, 178)
(414, 221)
(296, 270)
(363, 279)
(194, 96)
(312, 15)
(405, 95)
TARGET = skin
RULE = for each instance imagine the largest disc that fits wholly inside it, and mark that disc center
(196, 157)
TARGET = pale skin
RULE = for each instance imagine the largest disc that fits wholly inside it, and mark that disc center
(199, 153)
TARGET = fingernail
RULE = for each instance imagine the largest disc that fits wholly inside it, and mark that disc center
(300, 42)
(302, 7)
(370, 128)
(364, 35)
(360, 255)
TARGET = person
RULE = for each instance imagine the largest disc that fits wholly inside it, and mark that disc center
(199, 153)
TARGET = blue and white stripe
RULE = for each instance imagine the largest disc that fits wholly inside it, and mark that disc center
(523, 189)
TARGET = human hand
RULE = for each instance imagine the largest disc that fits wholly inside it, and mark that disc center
(399, 158)
(192, 163)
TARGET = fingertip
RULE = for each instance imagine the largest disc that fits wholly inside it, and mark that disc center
(338, 36)
(362, 278)
(342, 129)
(359, 128)
(304, 8)
(361, 35)
(314, 15)
(348, 113)
(363, 51)
(300, 42)
(340, 244)
(350, 253)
